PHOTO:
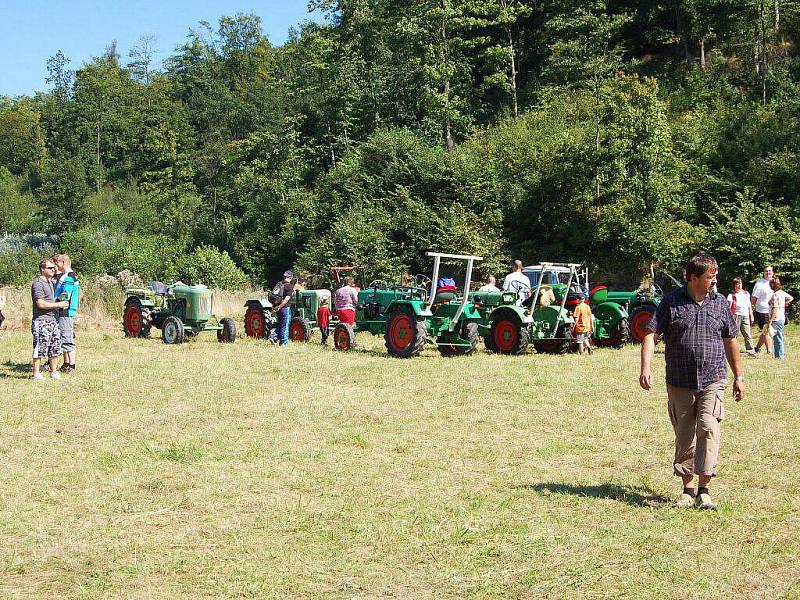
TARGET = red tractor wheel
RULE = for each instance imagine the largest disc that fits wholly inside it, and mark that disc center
(508, 335)
(344, 337)
(136, 320)
(255, 325)
(299, 330)
(405, 335)
(639, 320)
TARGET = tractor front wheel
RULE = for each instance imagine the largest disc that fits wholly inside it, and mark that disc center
(299, 330)
(136, 320)
(255, 322)
(227, 335)
(470, 333)
(405, 334)
(172, 331)
(639, 320)
(507, 335)
(344, 337)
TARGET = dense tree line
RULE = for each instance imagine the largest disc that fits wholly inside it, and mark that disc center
(620, 133)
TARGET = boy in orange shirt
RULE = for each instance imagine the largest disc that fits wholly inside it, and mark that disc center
(584, 326)
(324, 320)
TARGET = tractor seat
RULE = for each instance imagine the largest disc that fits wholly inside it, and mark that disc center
(158, 287)
(446, 293)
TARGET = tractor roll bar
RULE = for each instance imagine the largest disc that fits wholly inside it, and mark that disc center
(437, 257)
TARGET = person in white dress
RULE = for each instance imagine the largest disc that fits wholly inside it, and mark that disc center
(742, 310)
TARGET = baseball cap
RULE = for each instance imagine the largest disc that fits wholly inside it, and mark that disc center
(288, 274)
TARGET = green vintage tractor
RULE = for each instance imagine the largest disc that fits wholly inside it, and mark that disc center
(611, 319)
(409, 316)
(259, 320)
(180, 311)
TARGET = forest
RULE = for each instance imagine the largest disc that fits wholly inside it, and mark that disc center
(625, 134)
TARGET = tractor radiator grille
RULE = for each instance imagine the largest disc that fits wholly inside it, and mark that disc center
(204, 307)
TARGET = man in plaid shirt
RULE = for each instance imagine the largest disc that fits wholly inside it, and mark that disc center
(699, 334)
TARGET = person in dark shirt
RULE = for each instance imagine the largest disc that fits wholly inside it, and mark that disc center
(44, 327)
(281, 333)
(699, 335)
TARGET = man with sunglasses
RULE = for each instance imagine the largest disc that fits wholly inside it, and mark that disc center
(44, 326)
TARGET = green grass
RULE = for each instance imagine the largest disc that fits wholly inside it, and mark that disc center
(251, 471)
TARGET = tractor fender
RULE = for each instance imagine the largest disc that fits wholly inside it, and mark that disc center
(610, 312)
(508, 310)
(258, 303)
(143, 300)
(417, 306)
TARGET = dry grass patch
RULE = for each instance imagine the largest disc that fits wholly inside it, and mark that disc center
(246, 470)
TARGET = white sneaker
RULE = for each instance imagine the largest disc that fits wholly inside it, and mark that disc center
(37, 376)
(705, 502)
(55, 375)
(685, 501)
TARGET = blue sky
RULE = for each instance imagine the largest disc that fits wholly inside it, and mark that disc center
(31, 31)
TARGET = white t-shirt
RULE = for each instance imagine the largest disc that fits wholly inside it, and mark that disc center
(489, 288)
(742, 303)
(763, 294)
(779, 301)
(518, 282)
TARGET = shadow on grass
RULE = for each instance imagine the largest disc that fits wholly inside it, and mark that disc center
(635, 495)
(15, 370)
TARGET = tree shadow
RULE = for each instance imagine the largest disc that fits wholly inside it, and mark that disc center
(15, 370)
(635, 495)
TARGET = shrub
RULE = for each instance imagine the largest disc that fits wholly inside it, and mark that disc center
(20, 256)
(213, 268)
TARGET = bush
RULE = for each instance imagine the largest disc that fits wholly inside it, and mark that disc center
(209, 266)
(20, 256)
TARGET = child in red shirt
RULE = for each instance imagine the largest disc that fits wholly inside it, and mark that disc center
(324, 319)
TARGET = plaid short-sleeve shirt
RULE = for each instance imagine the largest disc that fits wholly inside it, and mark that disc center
(693, 336)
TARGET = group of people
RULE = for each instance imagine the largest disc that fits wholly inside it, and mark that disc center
(345, 300)
(765, 308)
(55, 296)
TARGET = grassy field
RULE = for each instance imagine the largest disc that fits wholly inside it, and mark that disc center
(251, 471)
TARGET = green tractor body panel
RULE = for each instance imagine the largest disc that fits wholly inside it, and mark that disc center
(606, 317)
(550, 322)
(305, 303)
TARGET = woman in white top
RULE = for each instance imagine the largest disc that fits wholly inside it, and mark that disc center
(780, 300)
(742, 309)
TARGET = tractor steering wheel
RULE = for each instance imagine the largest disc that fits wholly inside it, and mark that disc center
(378, 284)
(422, 281)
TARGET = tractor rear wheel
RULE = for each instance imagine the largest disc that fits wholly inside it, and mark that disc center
(344, 337)
(507, 335)
(299, 330)
(405, 335)
(620, 335)
(255, 322)
(227, 334)
(172, 331)
(468, 332)
(136, 321)
(639, 319)
(555, 346)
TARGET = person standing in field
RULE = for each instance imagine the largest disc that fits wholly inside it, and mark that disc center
(762, 294)
(518, 282)
(699, 334)
(584, 326)
(345, 300)
(324, 320)
(67, 288)
(280, 297)
(742, 311)
(44, 327)
(780, 300)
